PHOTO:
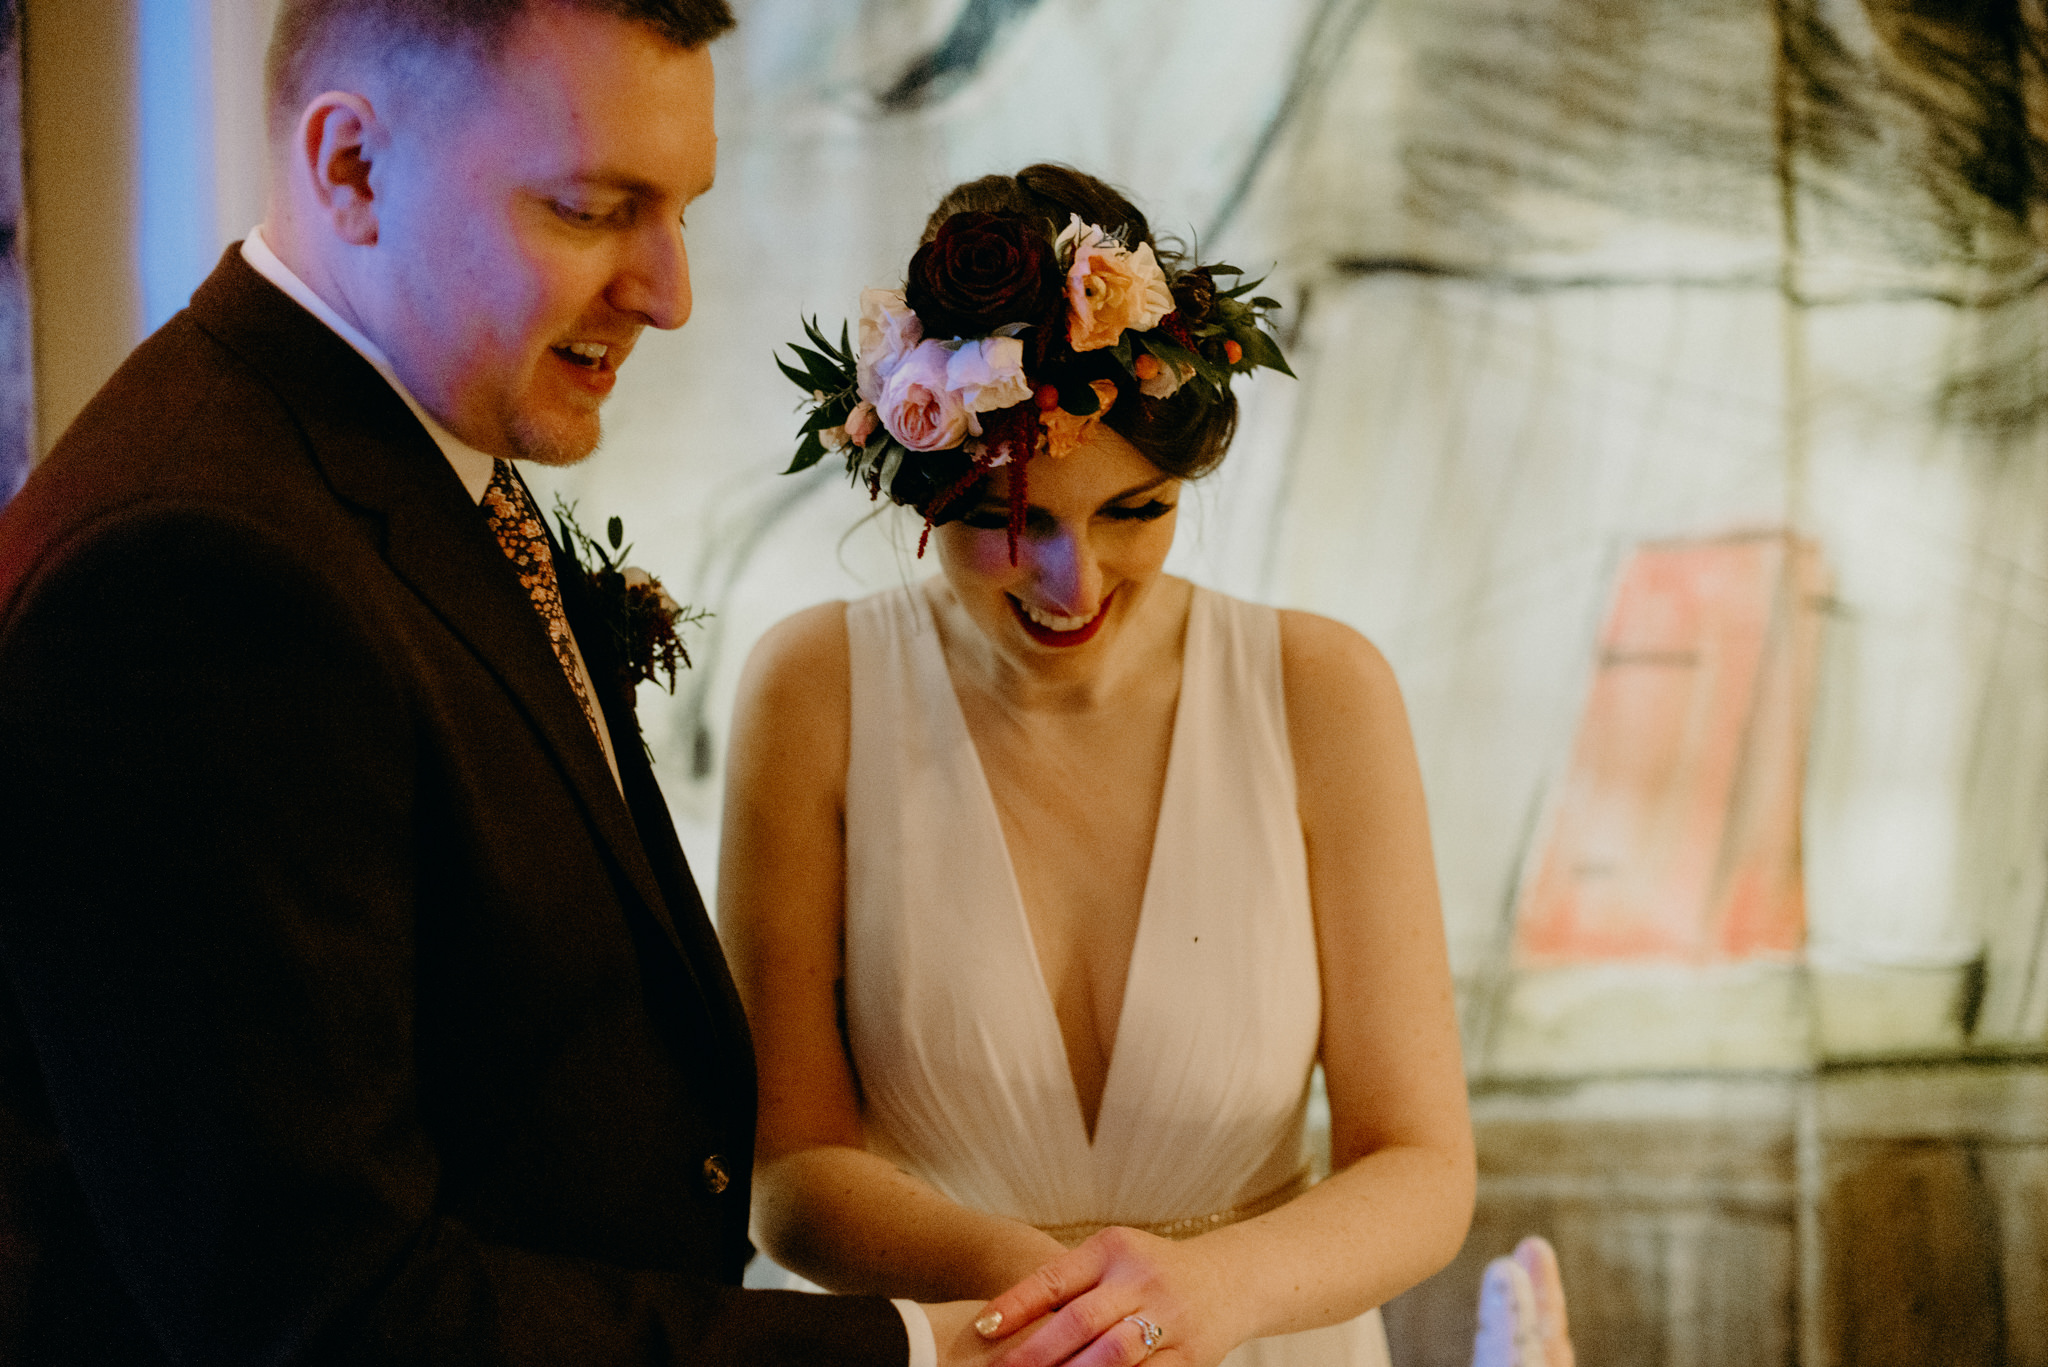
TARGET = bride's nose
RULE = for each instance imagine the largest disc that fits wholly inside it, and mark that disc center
(1068, 576)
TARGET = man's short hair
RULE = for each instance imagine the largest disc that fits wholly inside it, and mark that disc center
(309, 33)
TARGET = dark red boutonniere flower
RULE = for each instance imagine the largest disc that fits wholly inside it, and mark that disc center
(645, 623)
(982, 271)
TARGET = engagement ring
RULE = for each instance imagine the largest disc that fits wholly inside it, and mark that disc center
(1151, 1332)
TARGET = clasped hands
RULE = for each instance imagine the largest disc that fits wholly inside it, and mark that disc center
(1097, 1304)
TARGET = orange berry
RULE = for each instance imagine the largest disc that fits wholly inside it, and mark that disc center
(1232, 352)
(1048, 398)
(1146, 366)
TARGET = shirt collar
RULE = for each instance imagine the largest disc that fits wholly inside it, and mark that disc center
(472, 467)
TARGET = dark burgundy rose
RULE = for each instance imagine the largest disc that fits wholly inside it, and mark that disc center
(981, 271)
(1194, 295)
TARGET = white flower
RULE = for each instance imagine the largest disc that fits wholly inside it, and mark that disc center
(889, 329)
(1165, 378)
(987, 375)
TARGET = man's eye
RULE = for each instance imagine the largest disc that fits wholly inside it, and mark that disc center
(582, 215)
(1144, 512)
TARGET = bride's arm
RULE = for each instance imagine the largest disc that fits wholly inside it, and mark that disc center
(1399, 1199)
(823, 1206)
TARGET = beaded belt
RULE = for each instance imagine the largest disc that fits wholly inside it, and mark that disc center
(1189, 1226)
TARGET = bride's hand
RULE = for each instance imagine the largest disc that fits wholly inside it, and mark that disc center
(1101, 1295)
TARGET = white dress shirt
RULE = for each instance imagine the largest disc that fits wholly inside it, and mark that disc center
(475, 469)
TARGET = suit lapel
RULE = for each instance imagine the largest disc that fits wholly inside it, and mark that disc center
(378, 458)
(731, 1055)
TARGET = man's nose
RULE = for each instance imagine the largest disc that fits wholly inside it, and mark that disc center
(655, 282)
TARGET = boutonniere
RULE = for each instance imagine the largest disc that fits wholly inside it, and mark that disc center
(645, 623)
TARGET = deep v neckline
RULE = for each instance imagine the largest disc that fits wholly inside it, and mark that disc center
(1020, 920)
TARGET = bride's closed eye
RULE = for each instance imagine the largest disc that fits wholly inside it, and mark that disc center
(1149, 511)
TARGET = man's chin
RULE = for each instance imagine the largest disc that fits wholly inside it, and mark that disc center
(553, 443)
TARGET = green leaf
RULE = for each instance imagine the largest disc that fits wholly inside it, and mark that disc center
(1262, 302)
(808, 453)
(797, 377)
(1080, 399)
(1259, 349)
(615, 530)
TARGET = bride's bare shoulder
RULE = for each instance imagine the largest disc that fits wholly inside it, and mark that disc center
(794, 692)
(1345, 716)
(1321, 655)
(812, 639)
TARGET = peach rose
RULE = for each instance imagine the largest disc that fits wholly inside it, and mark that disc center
(917, 405)
(888, 331)
(1110, 290)
(1064, 431)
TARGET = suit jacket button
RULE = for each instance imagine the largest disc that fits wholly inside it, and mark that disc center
(716, 1178)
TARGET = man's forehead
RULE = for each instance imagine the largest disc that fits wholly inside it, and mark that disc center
(601, 100)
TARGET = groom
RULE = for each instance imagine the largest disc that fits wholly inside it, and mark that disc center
(356, 1002)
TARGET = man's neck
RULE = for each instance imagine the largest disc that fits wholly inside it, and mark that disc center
(290, 247)
(472, 467)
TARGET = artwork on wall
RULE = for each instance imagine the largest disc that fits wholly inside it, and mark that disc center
(1676, 831)
(1566, 282)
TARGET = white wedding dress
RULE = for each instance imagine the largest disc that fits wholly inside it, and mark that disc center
(962, 1066)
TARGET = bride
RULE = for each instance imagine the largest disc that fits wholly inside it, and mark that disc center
(1048, 880)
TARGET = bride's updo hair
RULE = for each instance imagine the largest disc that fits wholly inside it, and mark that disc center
(1184, 435)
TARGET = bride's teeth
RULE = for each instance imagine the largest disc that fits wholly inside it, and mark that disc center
(1053, 621)
(591, 350)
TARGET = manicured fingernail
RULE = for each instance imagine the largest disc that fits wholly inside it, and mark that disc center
(989, 1323)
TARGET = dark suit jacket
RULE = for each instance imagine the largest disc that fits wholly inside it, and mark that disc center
(348, 1013)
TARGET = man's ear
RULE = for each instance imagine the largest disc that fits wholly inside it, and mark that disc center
(339, 136)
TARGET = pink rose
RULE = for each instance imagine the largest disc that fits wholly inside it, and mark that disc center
(1110, 290)
(888, 331)
(917, 406)
(987, 375)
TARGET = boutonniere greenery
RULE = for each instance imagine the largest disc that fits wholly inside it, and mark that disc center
(645, 623)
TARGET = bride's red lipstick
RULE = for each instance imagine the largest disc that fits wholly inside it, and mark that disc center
(1046, 636)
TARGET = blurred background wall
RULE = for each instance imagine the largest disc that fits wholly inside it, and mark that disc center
(1673, 412)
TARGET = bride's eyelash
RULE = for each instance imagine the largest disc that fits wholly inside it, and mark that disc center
(1144, 512)
(988, 519)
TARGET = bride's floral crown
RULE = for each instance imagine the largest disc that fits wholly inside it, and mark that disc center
(994, 351)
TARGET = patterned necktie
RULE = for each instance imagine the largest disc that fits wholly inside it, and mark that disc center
(524, 538)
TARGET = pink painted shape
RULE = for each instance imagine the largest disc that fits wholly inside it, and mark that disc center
(1676, 832)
